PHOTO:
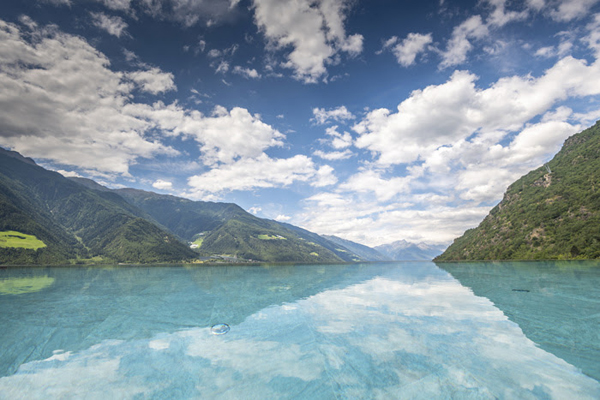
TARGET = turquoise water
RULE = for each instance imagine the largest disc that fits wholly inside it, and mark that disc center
(390, 331)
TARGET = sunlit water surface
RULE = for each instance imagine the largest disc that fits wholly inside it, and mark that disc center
(392, 331)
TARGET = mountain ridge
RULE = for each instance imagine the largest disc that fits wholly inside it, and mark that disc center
(81, 220)
(74, 222)
(552, 212)
(401, 250)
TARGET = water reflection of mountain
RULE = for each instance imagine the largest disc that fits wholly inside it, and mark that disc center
(83, 307)
(556, 304)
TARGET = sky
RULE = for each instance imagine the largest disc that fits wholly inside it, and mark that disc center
(375, 121)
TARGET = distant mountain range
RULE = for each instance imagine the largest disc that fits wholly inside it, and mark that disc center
(552, 212)
(406, 251)
(77, 220)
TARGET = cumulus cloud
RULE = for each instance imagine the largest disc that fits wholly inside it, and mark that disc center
(372, 222)
(500, 16)
(339, 114)
(120, 5)
(162, 185)
(568, 10)
(460, 43)
(339, 141)
(59, 100)
(372, 181)
(324, 177)
(444, 114)
(333, 155)
(246, 72)
(259, 172)
(409, 48)
(254, 210)
(448, 144)
(153, 80)
(593, 35)
(189, 12)
(114, 25)
(69, 174)
(313, 29)
(247, 136)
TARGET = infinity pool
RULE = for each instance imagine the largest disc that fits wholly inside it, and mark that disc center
(390, 331)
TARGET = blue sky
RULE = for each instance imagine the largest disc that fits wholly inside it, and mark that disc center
(373, 120)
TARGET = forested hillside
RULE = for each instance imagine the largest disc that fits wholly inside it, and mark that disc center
(225, 228)
(75, 223)
(552, 212)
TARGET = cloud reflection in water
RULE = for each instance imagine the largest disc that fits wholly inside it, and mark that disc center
(407, 332)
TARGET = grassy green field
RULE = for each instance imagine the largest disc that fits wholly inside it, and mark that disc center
(271, 237)
(20, 240)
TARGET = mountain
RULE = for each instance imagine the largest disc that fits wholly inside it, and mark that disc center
(225, 228)
(552, 212)
(406, 251)
(48, 219)
(73, 222)
(365, 252)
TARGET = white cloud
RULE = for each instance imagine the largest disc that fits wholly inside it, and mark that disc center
(254, 173)
(500, 16)
(460, 43)
(460, 146)
(120, 5)
(69, 174)
(189, 12)
(114, 25)
(407, 50)
(593, 37)
(536, 5)
(247, 136)
(314, 29)
(153, 80)
(59, 100)
(214, 53)
(339, 114)
(222, 67)
(162, 185)
(333, 155)
(447, 113)
(324, 177)
(568, 10)
(372, 222)
(282, 218)
(546, 52)
(58, 2)
(339, 141)
(246, 72)
(372, 181)
(254, 210)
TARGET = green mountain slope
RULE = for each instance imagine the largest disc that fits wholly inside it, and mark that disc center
(549, 213)
(362, 251)
(226, 228)
(75, 222)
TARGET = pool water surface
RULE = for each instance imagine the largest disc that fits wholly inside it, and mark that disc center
(359, 331)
